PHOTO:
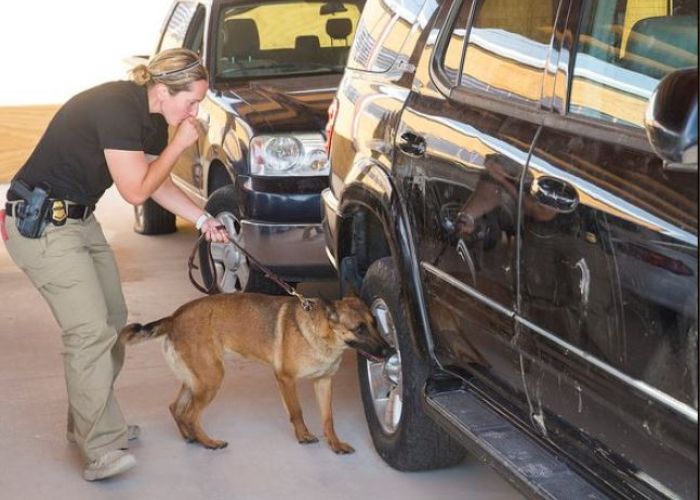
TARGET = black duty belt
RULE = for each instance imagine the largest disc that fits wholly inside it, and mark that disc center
(73, 210)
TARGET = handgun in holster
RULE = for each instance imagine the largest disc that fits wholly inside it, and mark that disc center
(32, 215)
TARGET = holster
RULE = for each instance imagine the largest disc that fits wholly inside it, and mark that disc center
(32, 216)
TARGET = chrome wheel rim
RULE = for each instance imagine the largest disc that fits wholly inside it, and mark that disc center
(232, 269)
(385, 379)
(139, 214)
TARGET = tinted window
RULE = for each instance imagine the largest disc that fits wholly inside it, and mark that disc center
(282, 38)
(624, 48)
(508, 46)
(382, 31)
(195, 35)
(178, 23)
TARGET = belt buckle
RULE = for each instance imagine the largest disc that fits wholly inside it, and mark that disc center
(15, 208)
(59, 213)
(86, 212)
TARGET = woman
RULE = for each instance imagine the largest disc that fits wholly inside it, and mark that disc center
(99, 137)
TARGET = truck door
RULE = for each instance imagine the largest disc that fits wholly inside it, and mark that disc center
(608, 290)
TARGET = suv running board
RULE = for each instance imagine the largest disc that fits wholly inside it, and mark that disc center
(530, 467)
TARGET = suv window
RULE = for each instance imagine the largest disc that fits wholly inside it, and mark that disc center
(383, 29)
(174, 34)
(624, 48)
(283, 38)
(508, 46)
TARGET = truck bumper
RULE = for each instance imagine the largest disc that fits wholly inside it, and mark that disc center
(294, 251)
(331, 215)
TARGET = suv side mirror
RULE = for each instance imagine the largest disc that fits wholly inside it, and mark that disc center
(671, 120)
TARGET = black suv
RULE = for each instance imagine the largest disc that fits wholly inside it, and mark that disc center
(514, 188)
(275, 66)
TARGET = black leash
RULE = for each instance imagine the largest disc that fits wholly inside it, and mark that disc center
(305, 303)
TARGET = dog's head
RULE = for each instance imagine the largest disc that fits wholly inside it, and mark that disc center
(352, 322)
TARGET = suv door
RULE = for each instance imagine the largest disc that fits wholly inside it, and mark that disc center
(462, 147)
(608, 289)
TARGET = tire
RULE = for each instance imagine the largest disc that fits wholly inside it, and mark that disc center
(233, 271)
(407, 439)
(150, 218)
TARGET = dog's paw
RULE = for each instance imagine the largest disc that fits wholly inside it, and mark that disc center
(342, 448)
(307, 439)
(215, 444)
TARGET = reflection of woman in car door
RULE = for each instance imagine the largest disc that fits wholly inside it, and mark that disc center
(498, 187)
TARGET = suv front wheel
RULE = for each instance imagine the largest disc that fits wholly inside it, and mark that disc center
(403, 435)
(232, 270)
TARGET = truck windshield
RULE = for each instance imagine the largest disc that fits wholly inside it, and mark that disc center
(276, 38)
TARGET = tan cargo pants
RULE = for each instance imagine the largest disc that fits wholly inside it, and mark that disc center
(74, 269)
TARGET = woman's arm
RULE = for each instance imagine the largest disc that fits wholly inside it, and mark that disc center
(171, 198)
(135, 179)
(139, 176)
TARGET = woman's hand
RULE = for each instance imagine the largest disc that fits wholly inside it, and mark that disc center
(188, 132)
(214, 231)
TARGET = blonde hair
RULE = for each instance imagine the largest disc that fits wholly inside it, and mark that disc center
(174, 68)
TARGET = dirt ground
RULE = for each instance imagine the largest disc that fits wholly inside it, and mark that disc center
(20, 129)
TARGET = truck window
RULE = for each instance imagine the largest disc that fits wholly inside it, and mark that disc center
(174, 33)
(283, 38)
(194, 39)
(508, 45)
(624, 48)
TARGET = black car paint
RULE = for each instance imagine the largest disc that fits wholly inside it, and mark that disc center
(549, 324)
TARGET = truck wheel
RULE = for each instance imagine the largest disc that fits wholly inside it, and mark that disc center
(403, 435)
(151, 218)
(233, 271)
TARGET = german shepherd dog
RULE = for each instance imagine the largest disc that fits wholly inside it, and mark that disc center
(272, 329)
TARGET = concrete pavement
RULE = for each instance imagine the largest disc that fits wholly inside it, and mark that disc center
(262, 461)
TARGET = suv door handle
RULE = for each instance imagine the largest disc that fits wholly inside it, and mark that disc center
(555, 193)
(412, 144)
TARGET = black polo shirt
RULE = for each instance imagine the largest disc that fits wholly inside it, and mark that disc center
(70, 155)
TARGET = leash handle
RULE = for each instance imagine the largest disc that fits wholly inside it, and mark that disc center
(191, 265)
(305, 303)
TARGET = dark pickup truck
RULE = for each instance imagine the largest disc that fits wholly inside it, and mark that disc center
(274, 66)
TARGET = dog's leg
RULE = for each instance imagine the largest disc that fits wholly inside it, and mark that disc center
(208, 376)
(178, 409)
(288, 389)
(324, 396)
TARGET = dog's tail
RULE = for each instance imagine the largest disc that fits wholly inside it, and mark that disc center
(136, 332)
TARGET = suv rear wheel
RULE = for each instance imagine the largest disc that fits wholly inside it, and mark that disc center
(403, 435)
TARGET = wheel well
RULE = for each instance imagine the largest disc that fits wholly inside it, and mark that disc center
(218, 177)
(363, 241)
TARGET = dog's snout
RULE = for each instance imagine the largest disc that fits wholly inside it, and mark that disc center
(387, 351)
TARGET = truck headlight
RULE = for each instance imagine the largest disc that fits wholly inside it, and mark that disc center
(288, 155)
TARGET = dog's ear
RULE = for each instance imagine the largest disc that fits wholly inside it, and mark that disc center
(329, 309)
